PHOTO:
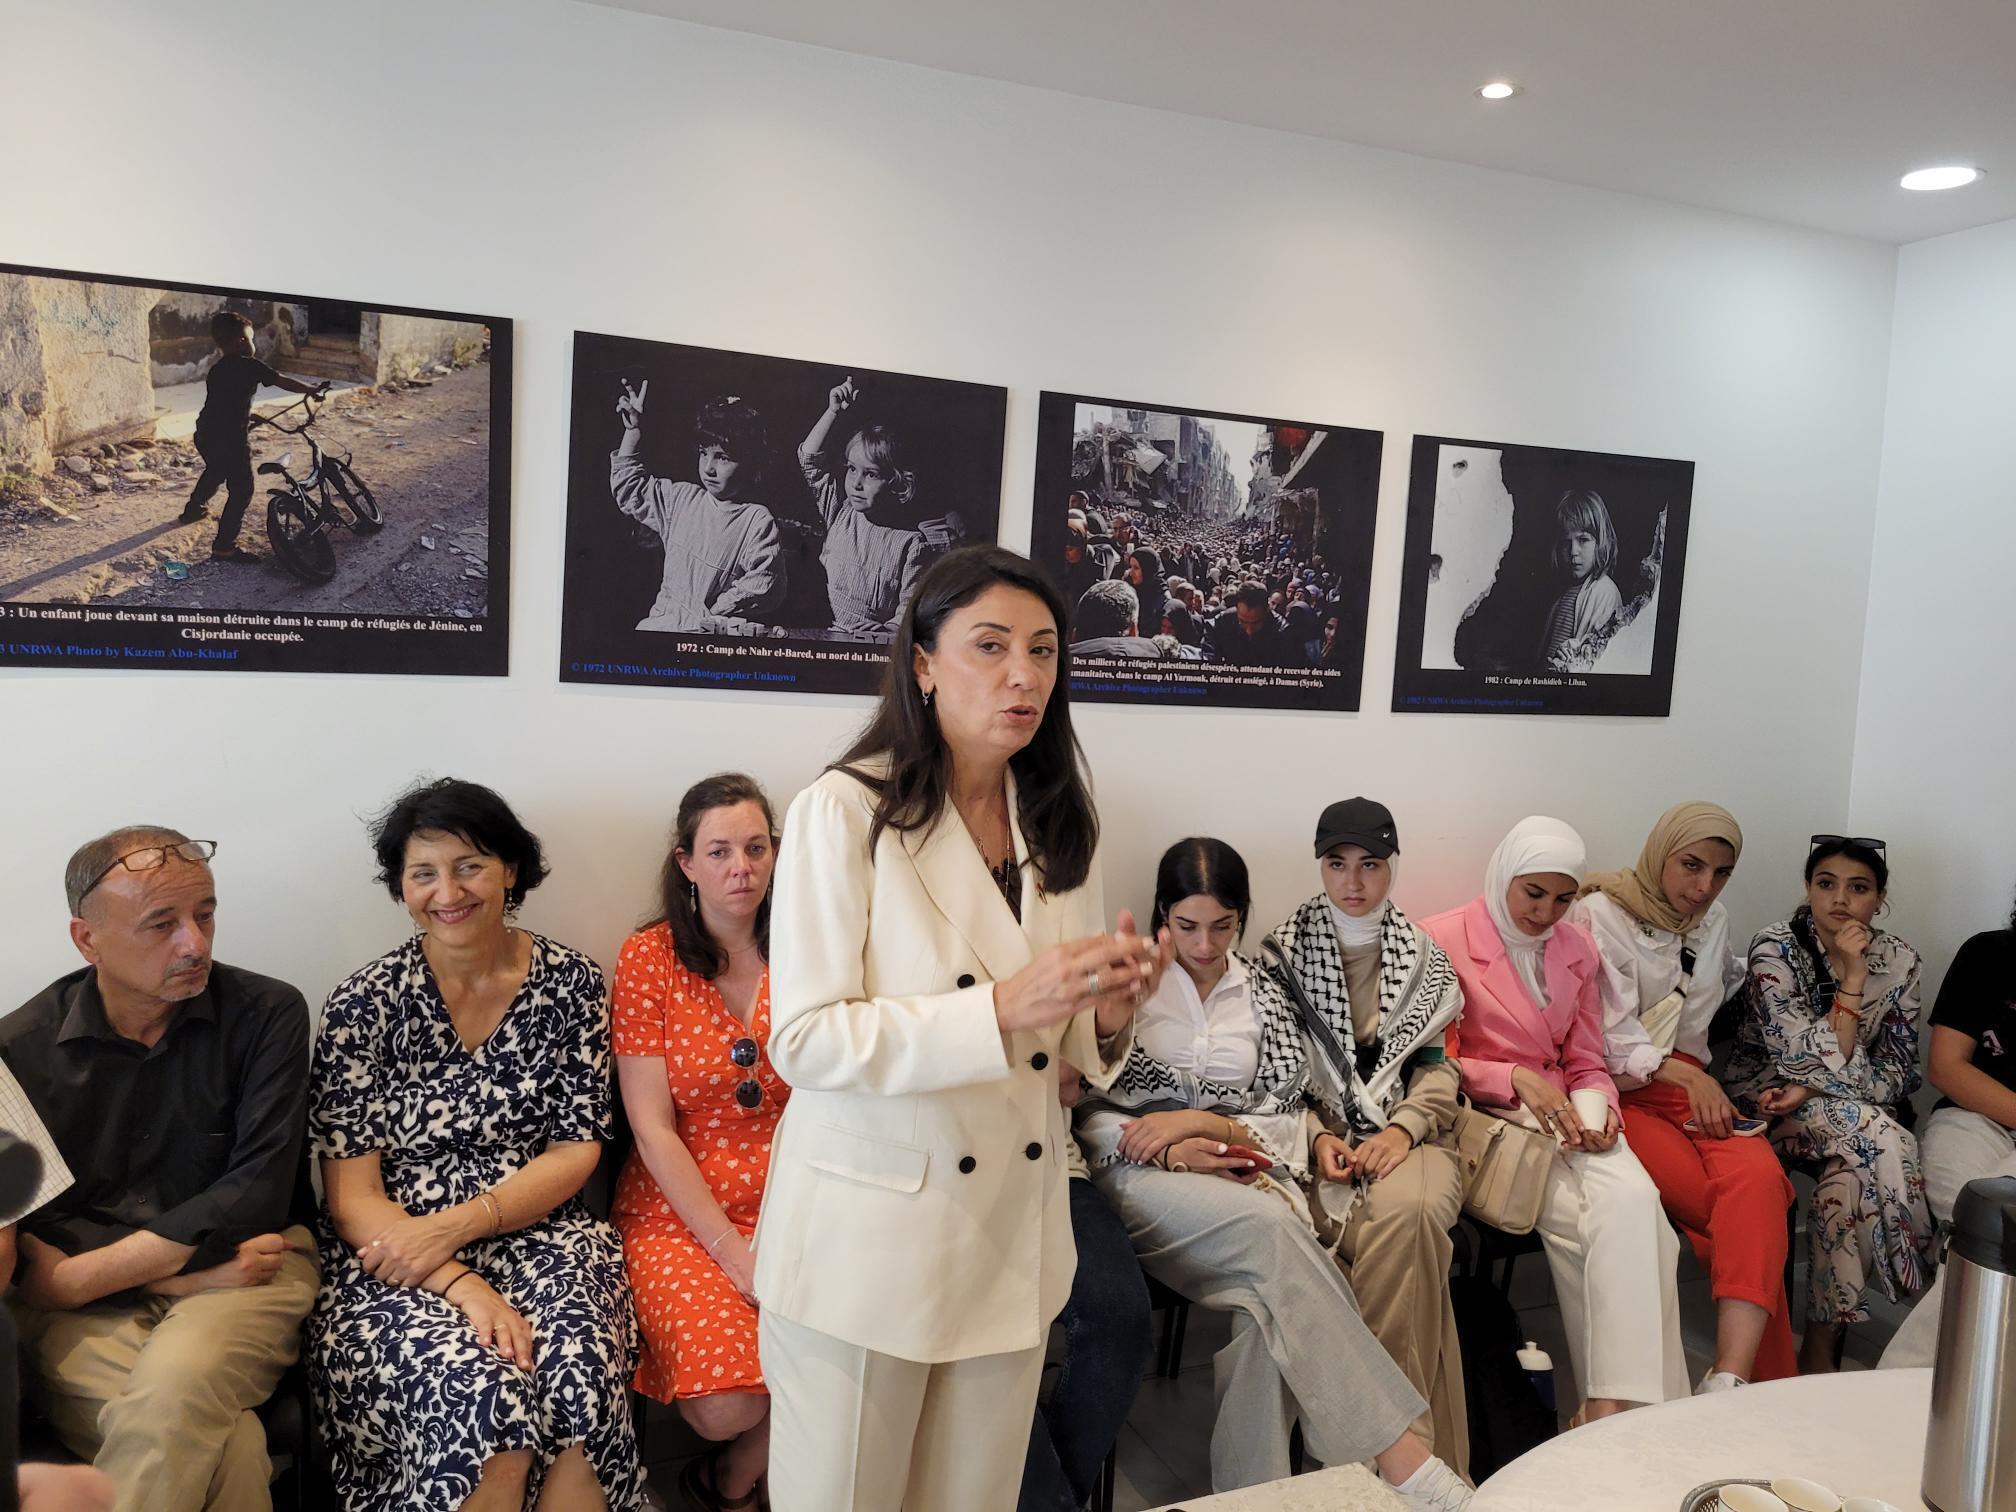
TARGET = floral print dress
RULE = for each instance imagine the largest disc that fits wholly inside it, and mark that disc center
(699, 1334)
(1869, 1220)
(410, 1405)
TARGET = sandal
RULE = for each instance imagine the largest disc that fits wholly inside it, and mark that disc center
(698, 1491)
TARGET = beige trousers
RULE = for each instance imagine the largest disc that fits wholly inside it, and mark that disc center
(852, 1430)
(1395, 1250)
(159, 1394)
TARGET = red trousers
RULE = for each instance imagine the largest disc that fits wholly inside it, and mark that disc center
(1730, 1197)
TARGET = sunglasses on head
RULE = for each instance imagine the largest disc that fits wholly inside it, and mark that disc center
(1867, 842)
(748, 1091)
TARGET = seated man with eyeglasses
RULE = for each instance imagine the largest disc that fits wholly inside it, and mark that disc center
(159, 1298)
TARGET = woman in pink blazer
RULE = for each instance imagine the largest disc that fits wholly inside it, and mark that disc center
(1531, 1034)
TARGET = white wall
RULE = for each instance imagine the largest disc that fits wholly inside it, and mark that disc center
(574, 166)
(1936, 726)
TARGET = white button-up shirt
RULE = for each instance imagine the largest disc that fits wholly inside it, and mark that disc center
(1215, 1037)
(1641, 965)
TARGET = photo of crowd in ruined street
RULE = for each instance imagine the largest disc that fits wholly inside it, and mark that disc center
(741, 521)
(1207, 559)
(1540, 580)
(220, 478)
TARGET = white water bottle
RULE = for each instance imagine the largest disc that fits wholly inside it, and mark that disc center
(1539, 1368)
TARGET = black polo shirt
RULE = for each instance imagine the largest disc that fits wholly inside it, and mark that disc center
(199, 1139)
(1978, 998)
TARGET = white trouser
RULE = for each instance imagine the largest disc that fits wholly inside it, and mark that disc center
(1615, 1262)
(852, 1430)
(1957, 1147)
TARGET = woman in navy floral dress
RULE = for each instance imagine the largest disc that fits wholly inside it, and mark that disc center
(473, 1336)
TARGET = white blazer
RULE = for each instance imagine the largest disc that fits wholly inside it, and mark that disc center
(916, 1203)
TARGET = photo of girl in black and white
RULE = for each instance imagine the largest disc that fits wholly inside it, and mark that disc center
(721, 550)
(744, 520)
(1539, 580)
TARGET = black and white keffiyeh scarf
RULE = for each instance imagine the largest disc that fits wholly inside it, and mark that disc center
(1419, 997)
(1148, 1085)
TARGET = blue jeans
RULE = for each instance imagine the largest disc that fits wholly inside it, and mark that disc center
(1105, 1352)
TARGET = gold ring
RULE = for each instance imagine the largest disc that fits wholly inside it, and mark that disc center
(1178, 1166)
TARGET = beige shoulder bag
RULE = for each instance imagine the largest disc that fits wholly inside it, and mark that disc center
(1504, 1167)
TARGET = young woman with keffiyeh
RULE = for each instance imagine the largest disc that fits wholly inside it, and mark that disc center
(1389, 1187)
(1201, 1143)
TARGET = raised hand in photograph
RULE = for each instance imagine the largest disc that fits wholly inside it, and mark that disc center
(630, 408)
(871, 566)
(724, 565)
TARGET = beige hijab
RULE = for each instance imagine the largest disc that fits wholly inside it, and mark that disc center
(1637, 891)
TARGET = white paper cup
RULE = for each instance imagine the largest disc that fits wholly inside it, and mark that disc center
(1741, 1498)
(1804, 1495)
(1868, 1504)
(1592, 1107)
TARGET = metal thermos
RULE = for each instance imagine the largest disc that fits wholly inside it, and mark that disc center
(1970, 1440)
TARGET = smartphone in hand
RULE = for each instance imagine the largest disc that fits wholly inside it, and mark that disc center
(1740, 1126)
(1246, 1152)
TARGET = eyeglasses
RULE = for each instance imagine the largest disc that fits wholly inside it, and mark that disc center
(153, 858)
(1867, 842)
(748, 1091)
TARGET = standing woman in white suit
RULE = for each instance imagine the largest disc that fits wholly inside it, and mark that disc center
(939, 944)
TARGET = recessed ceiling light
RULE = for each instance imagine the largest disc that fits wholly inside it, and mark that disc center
(1953, 176)
(1499, 89)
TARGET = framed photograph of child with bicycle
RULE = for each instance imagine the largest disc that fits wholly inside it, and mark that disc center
(1540, 580)
(739, 521)
(235, 479)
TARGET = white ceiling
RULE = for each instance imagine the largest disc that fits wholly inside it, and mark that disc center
(1804, 111)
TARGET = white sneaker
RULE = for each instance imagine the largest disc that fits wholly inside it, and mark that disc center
(1434, 1487)
(1719, 1380)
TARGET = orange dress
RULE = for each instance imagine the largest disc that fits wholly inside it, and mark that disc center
(699, 1333)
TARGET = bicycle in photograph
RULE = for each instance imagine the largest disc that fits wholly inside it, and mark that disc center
(300, 517)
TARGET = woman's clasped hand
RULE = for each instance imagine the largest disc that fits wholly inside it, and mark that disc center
(1107, 973)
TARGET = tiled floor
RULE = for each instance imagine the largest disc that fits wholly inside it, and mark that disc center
(1164, 1453)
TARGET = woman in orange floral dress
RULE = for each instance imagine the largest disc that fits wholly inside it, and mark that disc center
(691, 1021)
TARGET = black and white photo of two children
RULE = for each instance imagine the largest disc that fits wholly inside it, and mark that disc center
(725, 494)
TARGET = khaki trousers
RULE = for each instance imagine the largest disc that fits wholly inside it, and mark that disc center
(852, 1430)
(159, 1394)
(1396, 1250)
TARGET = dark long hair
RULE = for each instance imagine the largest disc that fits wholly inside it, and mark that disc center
(1804, 931)
(699, 952)
(1053, 803)
(1201, 867)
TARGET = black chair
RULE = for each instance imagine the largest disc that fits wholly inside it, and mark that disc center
(1175, 1310)
(1480, 1247)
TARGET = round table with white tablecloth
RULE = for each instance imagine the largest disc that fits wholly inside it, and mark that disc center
(1861, 1433)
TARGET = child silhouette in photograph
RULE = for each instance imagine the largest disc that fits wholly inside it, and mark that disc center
(229, 387)
(724, 566)
(1585, 551)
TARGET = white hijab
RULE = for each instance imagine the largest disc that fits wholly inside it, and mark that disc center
(1534, 845)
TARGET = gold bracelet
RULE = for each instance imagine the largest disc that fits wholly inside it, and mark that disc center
(496, 1211)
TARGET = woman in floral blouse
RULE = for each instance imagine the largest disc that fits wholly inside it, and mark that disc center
(1830, 1050)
